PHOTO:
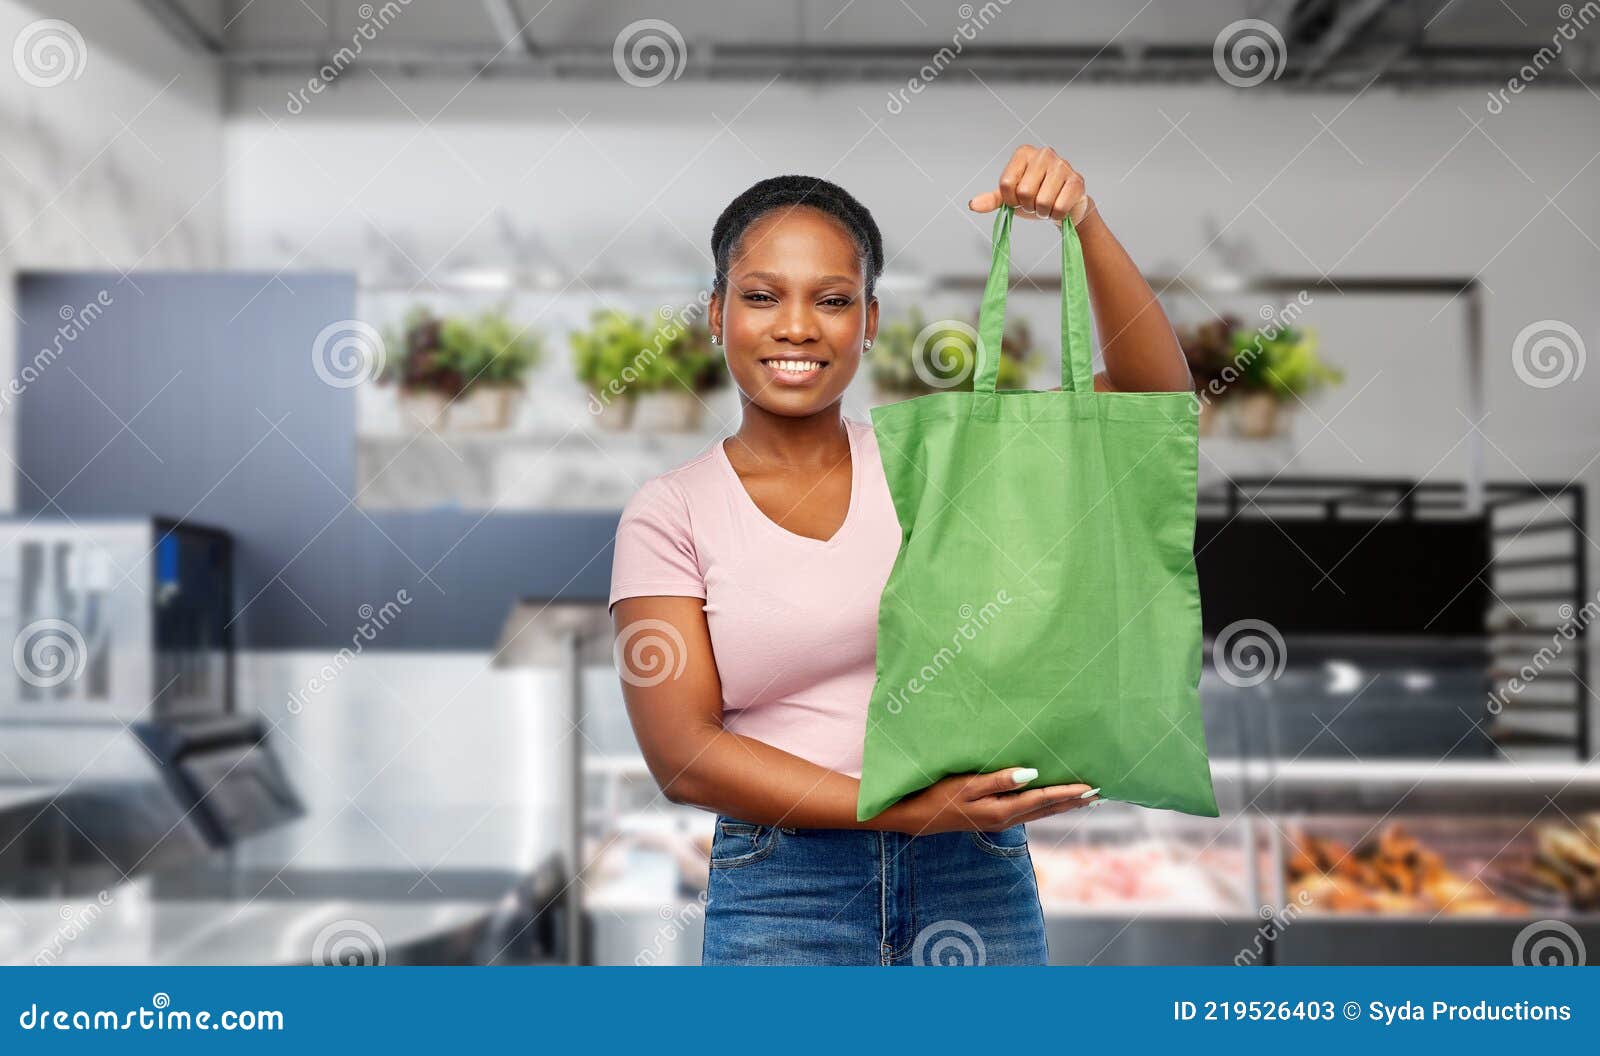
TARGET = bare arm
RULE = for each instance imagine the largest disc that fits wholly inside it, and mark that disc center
(1141, 352)
(696, 761)
(678, 722)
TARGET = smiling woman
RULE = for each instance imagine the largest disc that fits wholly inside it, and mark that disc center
(794, 301)
(757, 568)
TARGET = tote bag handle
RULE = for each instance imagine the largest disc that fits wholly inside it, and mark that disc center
(1076, 357)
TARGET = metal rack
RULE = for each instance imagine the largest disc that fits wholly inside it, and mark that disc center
(1528, 598)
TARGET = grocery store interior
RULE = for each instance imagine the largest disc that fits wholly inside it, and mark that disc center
(307, 528)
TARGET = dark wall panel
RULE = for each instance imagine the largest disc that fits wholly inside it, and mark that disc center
(195, 395)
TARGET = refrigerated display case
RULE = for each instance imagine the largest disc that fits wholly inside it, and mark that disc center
(1390, 748)
(1425, 862)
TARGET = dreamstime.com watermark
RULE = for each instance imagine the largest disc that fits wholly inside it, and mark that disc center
(49, 52)
(1547, 353)
(650, 652)
(76, 918)
(1549, 944)
(972, 621)
(158, 1015)
(349, 943)
(75, 320)
(675, 924)
(946, 352)
(1248, 52)
(648, 52)
(48, 652)
(1572, 21)
(678, 323)
(1571, 629)
(1249, 652)
(373, 620)
(1275, 322)
(348, 352)
(973, 21)
(949, 944)
(374, 19)
(1274, 923)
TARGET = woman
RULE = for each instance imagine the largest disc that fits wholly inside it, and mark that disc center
(745, 593)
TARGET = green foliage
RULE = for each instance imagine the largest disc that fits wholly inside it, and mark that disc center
(453, 355)
(947, 352)
(618, 351)
(631, 356)
(693, 361)
(1283, 362)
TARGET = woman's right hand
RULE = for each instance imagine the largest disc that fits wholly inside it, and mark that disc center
(986, 802)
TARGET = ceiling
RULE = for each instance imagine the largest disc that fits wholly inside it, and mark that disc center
(1324, 43)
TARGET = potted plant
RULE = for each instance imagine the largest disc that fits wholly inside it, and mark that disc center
(945, 361)
(1208, 348)
(459, 372)
(613, 358)
(426, 383)
(693, 369)
(1275, 366)
(492, 355)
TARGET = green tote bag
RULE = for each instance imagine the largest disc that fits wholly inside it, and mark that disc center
(1043, 608)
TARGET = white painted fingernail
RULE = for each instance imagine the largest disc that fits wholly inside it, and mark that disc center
(1091, 792)
(1023, 774)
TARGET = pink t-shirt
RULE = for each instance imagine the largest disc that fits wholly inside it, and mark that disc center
(793, 620)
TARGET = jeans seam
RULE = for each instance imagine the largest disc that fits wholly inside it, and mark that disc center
(748, 859)
(989, 847)
(909, 855)
(883, 901)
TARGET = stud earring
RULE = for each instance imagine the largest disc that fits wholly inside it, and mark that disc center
(715, 340)
(869, 344)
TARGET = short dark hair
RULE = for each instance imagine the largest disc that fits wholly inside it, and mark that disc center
(778, 192)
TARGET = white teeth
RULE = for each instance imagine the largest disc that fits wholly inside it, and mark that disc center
(791, 366)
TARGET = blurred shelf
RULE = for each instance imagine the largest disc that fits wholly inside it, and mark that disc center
(1424, 787)
(1262, 786)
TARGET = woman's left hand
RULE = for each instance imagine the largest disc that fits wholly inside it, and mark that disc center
(1037, 182)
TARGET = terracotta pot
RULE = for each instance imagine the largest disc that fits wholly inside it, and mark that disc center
(615, 415)
(423, 409)
(484, 407)
(674, 410)
(1256, 416)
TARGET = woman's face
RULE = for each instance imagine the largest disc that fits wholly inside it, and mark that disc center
(795, 315)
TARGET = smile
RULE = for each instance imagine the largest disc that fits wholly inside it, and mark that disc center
(793, 371)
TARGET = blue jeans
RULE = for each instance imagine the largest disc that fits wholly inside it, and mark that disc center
(854, 896)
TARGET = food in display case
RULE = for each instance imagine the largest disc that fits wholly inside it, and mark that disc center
(1146, 875)
(1392, 872)
(1562, 871)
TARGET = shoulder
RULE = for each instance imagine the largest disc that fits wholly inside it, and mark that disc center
(862, 430)
(669, 496)
(866, 439)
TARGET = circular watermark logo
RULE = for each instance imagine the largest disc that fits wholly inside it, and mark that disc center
(1549, 944)
(1248, 653)
(648, 52)
(1547, 353)
(649, 652)
(49, 52)
(348, 944)
(1248, 52)
(47, 653)
(347, 353)
(945, 353)
(948, 944)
